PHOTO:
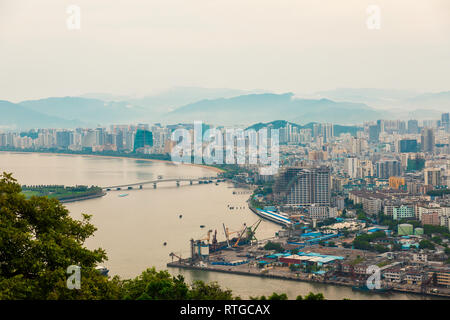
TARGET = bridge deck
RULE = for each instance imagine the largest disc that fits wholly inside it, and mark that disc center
(159, 181)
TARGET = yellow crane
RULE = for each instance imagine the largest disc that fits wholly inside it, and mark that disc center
(207, 237)
(240, 236)
(228, 233)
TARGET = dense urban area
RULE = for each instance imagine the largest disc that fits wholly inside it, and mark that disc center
(349, 200)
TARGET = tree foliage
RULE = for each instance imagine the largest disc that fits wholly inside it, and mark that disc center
(38, 241)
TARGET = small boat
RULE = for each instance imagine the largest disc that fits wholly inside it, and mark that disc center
(202, 226)
(374, 290)
(103, 270)
(123, 195)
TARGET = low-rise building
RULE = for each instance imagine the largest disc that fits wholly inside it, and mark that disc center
(393, 275)
(442, 276)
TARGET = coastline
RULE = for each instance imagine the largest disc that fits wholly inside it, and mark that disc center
(217, 170)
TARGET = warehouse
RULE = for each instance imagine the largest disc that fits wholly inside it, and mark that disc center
(313, 258)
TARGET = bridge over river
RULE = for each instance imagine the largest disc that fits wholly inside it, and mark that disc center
(178, 180)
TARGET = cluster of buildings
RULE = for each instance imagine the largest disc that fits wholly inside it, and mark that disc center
(120, 138)
(393, 167)
(398, 168)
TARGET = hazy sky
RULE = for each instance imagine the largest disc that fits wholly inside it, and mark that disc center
(139, 46)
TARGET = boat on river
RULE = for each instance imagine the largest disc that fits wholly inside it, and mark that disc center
(102, 270)
(364, 288)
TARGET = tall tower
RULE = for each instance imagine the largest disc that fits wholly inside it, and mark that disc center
(427, 140)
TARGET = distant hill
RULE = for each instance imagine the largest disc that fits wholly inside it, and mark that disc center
(438, 101)
(371, 96)
(405, 102)
(15, 116)
(277, 124)
(91, 111)
(247, 109)
(225, 107)
(173, 98)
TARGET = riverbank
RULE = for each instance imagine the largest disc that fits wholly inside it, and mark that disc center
(296, 278)
(92, 196)
(215, 169)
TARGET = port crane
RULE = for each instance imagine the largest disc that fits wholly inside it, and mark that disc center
(225, 230)
(240, 236)
(207, 237)
(175, 255)
(252, 230)
(214, 241)
(227, 234)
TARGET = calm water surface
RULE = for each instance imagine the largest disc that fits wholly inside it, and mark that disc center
(132, 229)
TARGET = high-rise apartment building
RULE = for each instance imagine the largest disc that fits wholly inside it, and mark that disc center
(432, 176)
(427, 140)
(298, 186)
(413, 126)
(351, 166)
(388, 168)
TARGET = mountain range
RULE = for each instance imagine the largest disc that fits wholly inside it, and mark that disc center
(223, 107)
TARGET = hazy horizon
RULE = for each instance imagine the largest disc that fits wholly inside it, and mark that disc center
(132, 47)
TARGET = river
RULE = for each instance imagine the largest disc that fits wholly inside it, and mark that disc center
(133, 228)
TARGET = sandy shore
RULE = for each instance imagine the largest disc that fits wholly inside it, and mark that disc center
(217, 170)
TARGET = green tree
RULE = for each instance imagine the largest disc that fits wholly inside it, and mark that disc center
(437, 240)
(209, 291)
(161, 285)
(38, 241)
(273, 246)
(312, 296)
(276, 296)
(425, 244)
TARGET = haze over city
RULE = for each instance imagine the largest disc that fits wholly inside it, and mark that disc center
(142, 47)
